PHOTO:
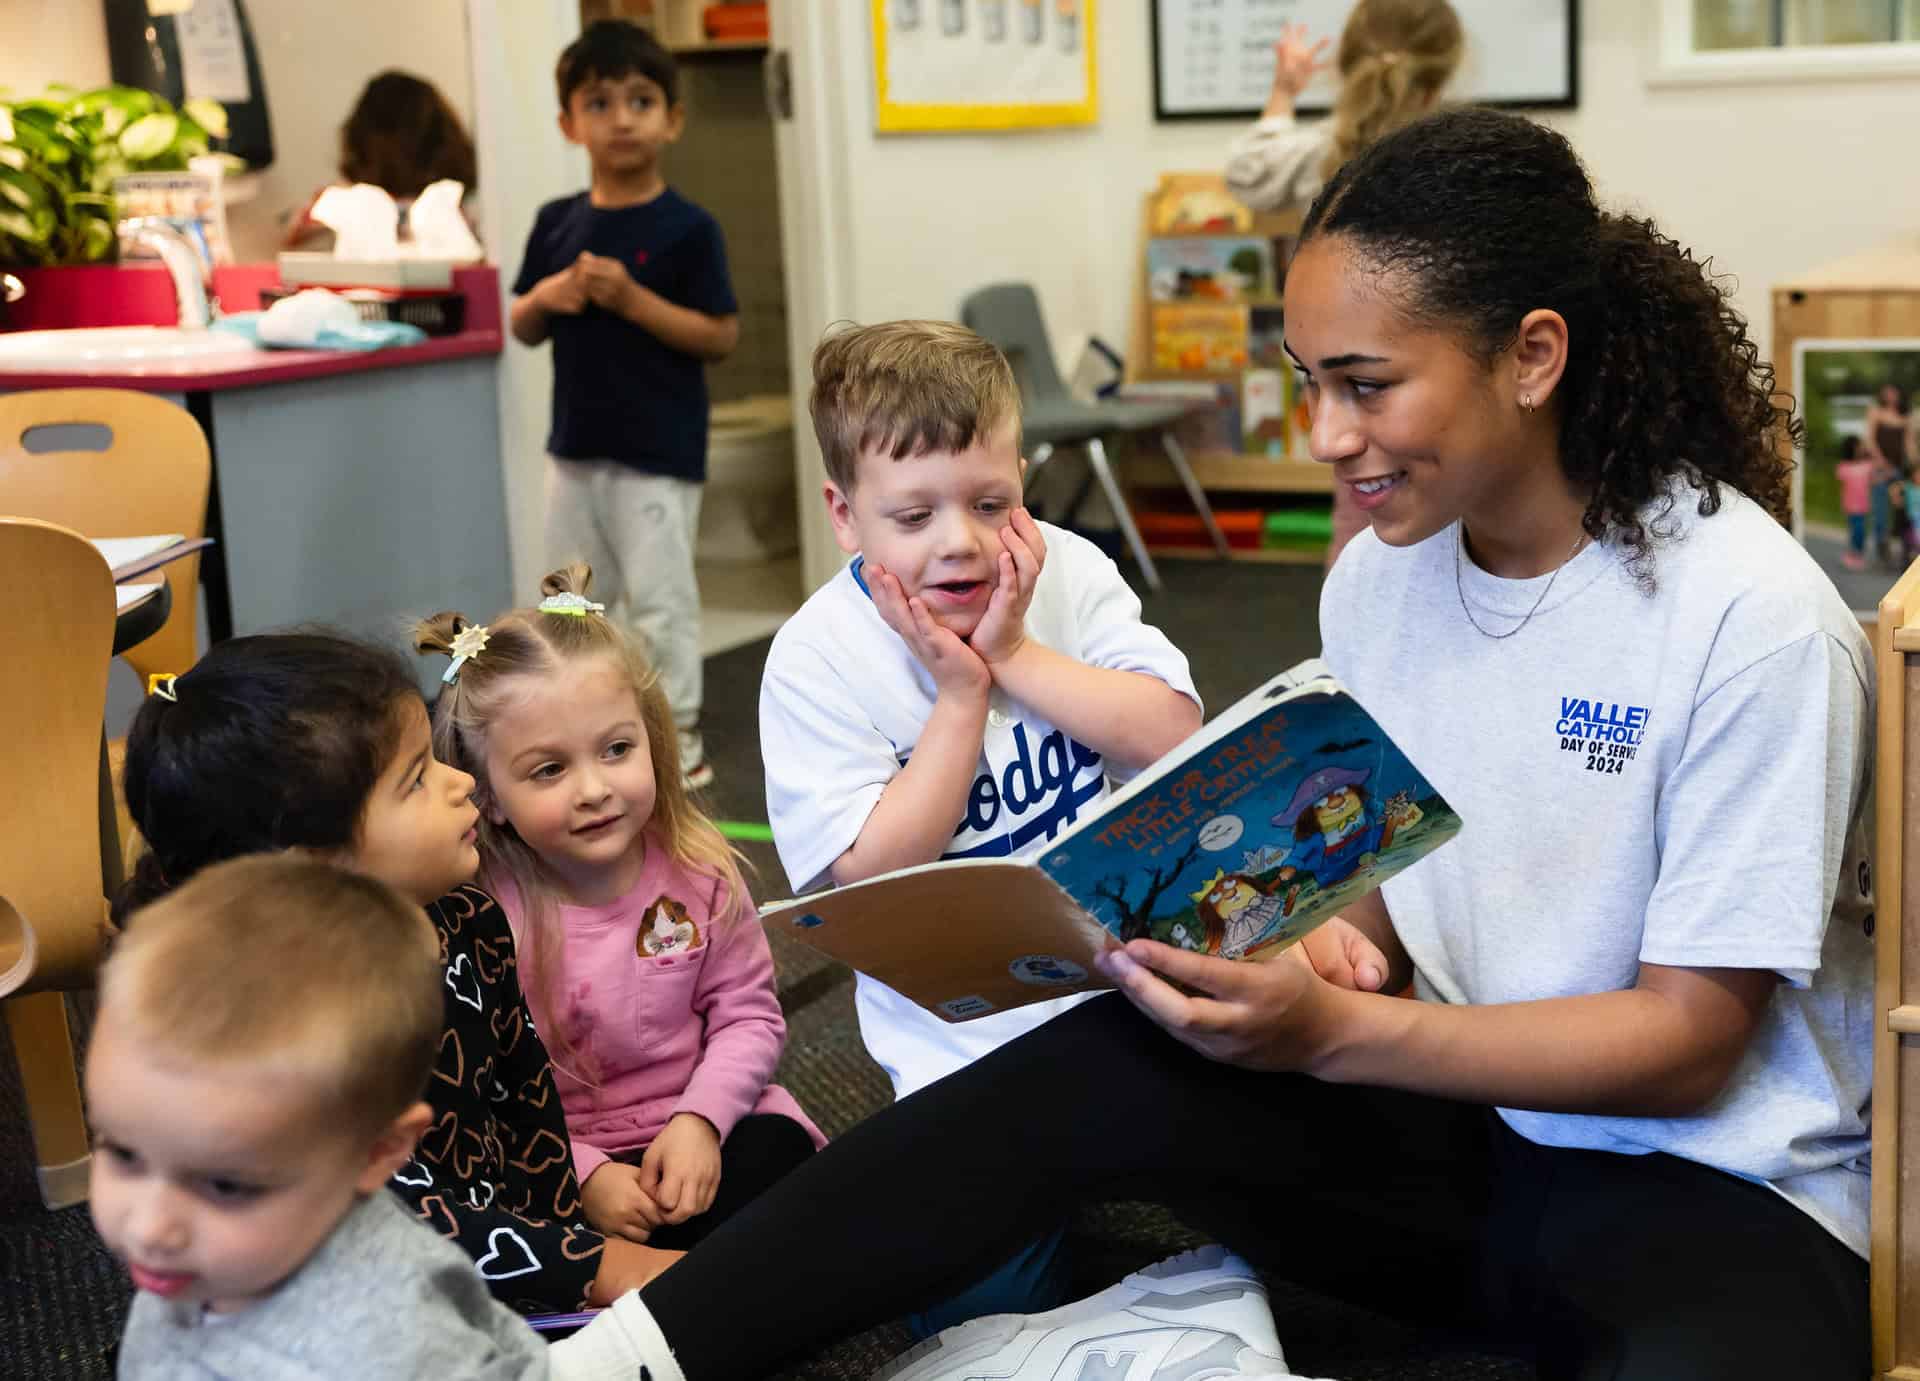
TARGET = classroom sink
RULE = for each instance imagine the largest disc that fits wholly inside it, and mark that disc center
(113, 346)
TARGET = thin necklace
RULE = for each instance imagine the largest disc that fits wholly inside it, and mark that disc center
(1459, 543)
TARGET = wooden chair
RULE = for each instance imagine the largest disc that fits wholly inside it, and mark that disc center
(152, 477)
(59, 616)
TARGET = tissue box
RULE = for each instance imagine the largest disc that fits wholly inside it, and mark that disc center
(309, 270)
(438, 314)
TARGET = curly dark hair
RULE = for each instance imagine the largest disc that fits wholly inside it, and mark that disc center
(1474, 218)
(402, 136)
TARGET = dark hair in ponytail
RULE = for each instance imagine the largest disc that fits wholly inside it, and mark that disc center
(269, 742)
(1475, 218)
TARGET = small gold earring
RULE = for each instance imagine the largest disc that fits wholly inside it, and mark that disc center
(1527, 402)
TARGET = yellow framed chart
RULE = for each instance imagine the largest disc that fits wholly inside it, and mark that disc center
(983, 64)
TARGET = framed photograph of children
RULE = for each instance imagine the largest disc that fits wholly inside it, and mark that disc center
(1855, 503)
(983, 64)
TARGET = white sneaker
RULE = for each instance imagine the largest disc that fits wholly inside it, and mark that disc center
(1201, 1314)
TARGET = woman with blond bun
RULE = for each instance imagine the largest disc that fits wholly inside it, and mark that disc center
(1395, 58)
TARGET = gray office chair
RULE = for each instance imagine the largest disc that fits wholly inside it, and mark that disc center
(1008, 314)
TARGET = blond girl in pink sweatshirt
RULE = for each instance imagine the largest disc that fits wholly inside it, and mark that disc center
(646, 968)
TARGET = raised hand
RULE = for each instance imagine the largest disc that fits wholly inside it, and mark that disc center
(1296, 63)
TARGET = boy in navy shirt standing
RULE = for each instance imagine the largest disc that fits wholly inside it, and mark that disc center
(629, 280)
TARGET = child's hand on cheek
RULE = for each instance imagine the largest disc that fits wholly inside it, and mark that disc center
(956, 668)
(681, 1170)
(1003, 628)
(616, 1205)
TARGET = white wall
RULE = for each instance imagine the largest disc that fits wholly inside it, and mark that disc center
(1770, 180)
(44, 41)
(314, 58)
(523, 164)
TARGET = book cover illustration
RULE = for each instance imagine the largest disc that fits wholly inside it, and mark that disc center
(1274, 814)
(1196, 337)
(1188, 203)
(1267, 832)
(1212, 269)
(1263, 402)
(1266, 338)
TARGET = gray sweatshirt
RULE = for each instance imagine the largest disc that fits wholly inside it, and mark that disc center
(383, 1297)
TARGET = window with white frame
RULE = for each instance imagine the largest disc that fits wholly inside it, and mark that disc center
(1726, 25)
(1772, 40)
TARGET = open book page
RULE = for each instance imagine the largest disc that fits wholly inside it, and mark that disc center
(1285, 808)
(962, 939)
(133, 556)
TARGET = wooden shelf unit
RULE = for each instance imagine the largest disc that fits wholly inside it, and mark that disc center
(1875, 295)
(1259, 556)
(676, 23)
(1232, 470)
(1219, 472)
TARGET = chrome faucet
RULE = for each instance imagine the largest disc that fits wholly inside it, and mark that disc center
(11, 291)
(179, 245)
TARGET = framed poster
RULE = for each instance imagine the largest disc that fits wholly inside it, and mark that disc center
(983, 64)
(1213, 59)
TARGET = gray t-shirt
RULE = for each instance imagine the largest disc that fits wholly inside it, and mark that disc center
(1677, 778)
(384, 1296)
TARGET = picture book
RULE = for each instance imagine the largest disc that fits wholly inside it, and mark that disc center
(1259, 826)
(1263, 411)
(1189, 203)
(1209, 269)
(1266, 338)
(1199, 337)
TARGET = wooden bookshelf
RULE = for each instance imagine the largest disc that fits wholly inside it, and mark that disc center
(1218, 472)
(1259, 556)
(1230, 470)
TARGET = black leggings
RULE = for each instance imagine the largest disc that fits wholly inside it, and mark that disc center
(1631, 1268)
(762, 1147)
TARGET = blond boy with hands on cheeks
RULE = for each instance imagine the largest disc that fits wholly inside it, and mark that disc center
(966, 686)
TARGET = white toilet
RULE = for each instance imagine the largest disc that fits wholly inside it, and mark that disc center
(748, 512)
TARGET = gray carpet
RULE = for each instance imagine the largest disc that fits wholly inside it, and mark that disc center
(62, 1298)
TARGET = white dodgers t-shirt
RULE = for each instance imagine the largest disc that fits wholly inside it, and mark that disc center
(844, 701)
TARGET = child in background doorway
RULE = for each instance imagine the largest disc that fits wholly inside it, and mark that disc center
(257, 1074)
(629, 280)
(649, 972)
(1855, 473)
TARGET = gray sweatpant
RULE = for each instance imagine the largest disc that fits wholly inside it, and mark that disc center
(637, 531)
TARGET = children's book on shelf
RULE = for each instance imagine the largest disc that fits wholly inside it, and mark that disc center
(1263, 823)
(1265, 426)
(1267, 338)
(1196, 203)
(1209, 269)
(1199, 337)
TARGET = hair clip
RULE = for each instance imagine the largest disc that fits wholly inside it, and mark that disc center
(160, 683)
(468, 643)
(570, 604)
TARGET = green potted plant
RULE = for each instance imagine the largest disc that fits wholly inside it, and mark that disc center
(61, 151)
